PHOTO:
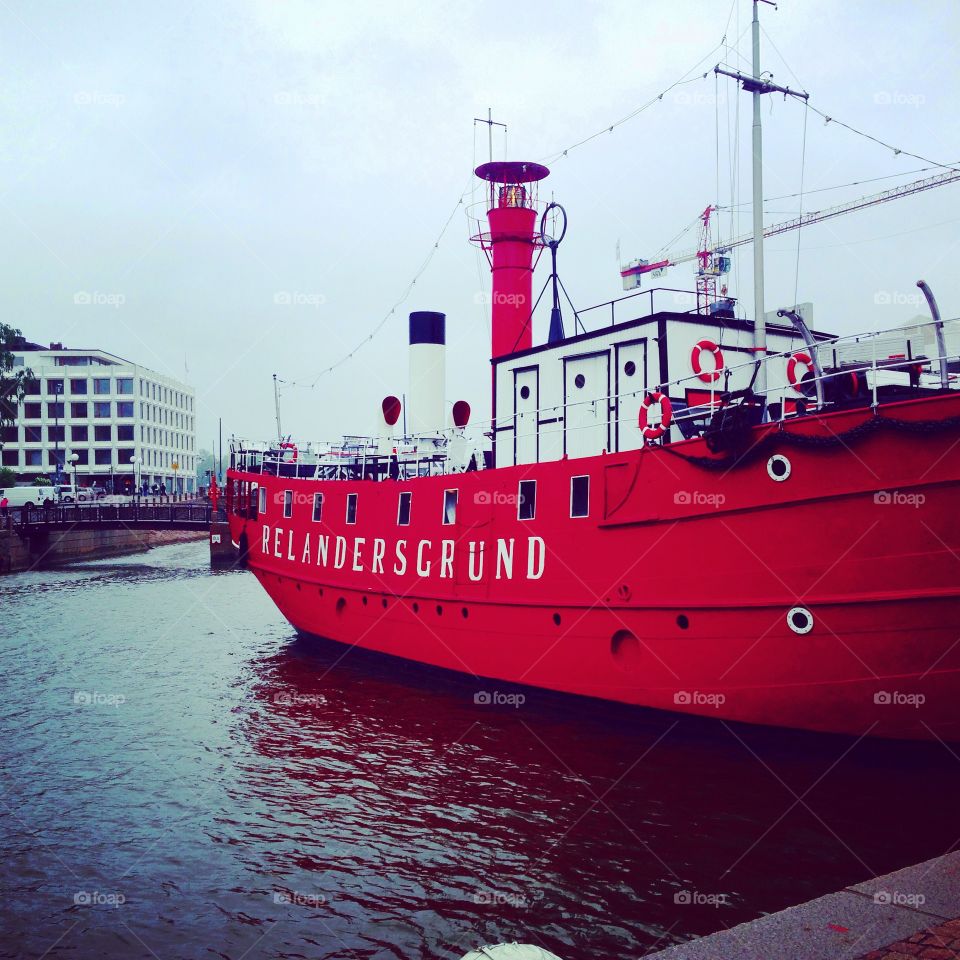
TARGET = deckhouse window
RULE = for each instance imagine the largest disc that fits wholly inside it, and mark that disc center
(403, 510)
(317, 507)
(449, 507)
(351, 508)
(579, 496)
(287, 503)
(527, 500)
(260, 500)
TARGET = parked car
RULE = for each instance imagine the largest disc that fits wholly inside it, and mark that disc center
(90, 494)
(33, 496)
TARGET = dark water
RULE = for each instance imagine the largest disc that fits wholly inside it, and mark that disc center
(231, 791)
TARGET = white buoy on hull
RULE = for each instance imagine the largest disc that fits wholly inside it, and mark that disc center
(511, 951)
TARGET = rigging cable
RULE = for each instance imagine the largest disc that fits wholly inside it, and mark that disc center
(803, 167)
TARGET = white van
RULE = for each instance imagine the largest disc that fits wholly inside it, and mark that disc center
(28, 496)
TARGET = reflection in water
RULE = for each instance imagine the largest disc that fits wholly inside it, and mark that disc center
(241, 792)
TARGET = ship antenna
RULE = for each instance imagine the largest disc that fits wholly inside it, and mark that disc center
(276, 406)
(757, 86)
(491, 123)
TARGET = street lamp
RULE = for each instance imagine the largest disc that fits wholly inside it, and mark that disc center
(74, 459)
(136, 461)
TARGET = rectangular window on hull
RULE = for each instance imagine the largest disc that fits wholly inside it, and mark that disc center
(317, 507)
(403, 510)
(527, 500)
(449, 507)
(351, 508)
(579, 496)
(262, 505)
(287, 504)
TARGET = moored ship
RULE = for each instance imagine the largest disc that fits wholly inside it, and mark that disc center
(681, 509)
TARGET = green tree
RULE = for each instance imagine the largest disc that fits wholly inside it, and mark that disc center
(7, 478)
(12, 383)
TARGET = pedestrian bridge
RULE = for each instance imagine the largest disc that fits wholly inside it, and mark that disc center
(114, 516)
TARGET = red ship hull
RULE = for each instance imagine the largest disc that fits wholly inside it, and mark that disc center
(675, 592)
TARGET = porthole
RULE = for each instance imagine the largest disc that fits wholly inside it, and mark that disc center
(556, 619)
(524, 393)
(778, 468)
(384, 602)
(579, 381)
(464, 612)
(298, 586)
(800, 620)
(629, 368)
(439, 610)
(683, 621)
(341, 604)
(416, 607)
(364, 601)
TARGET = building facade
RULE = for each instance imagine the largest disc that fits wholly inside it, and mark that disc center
(99, 419)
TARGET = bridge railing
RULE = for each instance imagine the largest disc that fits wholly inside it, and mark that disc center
(135, 514)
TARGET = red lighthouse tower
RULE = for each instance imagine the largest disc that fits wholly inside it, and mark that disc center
(512, 215)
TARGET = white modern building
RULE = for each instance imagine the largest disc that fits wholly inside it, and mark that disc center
(103, 419)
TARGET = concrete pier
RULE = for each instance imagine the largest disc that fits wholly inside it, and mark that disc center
(903, 915)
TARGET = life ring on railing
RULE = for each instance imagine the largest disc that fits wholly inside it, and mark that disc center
(291, 449)
(666, 415)
(795, 381)
(707, 376)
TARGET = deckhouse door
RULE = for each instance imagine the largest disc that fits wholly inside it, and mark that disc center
(586, 399)
(630, 385)
(526, 404)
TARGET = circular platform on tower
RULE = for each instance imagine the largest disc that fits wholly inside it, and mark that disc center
(512, 171)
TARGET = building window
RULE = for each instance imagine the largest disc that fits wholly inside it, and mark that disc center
(9, 434)
(403, 510)
(32, 411)
(262, 506)
(31, 387)
(78, 410)
(55, 387)
(55, 434)
(33, 458)
(527, 500)
(55, 410)
(317, 507)
(82, 456)
(78, 387)
(125, 385)
(579, 496)
(103, 458)
(124, 408)
(101, 410)
(103, 434)
(101, 385)
(32, 435)
(78, 434)
(125, 431)
(11, 458)
(351, 508)
(55, 459)
(124, 456)
(449, 507)
(287, 504)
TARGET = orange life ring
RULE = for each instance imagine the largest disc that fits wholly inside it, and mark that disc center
(707, 376)
(291, 448)
(666, 415)
(803, 358)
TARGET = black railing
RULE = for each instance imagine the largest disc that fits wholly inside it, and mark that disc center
(157, 515)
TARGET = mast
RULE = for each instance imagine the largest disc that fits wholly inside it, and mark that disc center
(276, 407)
(759, 322)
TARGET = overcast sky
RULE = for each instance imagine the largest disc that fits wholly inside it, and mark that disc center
(189, 167)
